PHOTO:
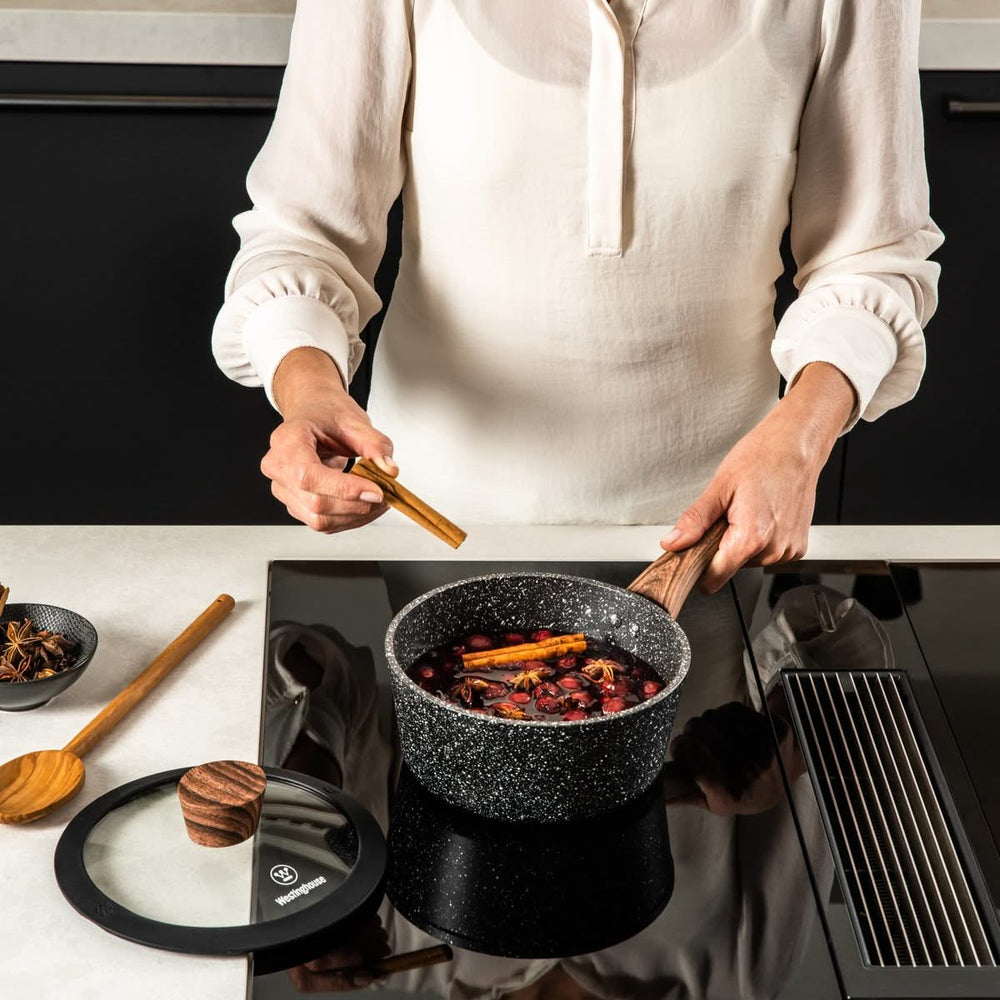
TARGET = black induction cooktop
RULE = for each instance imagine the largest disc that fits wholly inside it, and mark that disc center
(868, 868)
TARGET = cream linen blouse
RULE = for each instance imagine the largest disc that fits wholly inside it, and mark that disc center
(594, 198)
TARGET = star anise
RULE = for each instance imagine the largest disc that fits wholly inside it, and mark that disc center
(12, 674)
(52, 646)
(467, 689)
(602, 670)
(527, 679)
(507, 711)
(21, 638)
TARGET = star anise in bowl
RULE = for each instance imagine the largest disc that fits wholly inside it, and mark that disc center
(43, 650)
(27, 651)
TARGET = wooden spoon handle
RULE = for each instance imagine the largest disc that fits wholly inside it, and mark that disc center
(670, 579)
(129, 697)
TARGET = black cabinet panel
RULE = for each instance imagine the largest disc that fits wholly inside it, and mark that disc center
(116, 241)
(117, 238)
(933, 460)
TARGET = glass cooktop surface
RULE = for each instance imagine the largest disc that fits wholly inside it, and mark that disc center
(736, 884)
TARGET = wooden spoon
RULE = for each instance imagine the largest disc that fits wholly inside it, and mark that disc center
(36, 783)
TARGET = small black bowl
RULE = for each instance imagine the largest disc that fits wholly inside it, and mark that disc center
(18, 697)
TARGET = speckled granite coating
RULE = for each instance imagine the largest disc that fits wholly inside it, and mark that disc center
(535, 771)
(528, 890)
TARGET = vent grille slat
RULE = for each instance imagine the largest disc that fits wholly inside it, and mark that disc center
(911, 941)
(907, 887)
(969, 928)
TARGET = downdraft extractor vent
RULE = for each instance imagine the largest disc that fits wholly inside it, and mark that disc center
(890, 821)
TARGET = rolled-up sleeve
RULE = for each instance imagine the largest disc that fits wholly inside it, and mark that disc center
(321, 188)
(860, 225)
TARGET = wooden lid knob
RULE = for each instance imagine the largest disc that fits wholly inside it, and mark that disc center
(221, 801)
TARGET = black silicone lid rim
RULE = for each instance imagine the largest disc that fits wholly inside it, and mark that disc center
(274, 944)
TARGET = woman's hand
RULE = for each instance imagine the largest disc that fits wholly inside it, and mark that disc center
(766, 486)
(729, 753)
(322, 428)
(332, 973)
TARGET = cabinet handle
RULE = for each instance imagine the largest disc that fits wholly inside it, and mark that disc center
(972, 109)
(137, 102)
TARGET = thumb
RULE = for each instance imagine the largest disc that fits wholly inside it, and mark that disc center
(696, 520)
(365, 441)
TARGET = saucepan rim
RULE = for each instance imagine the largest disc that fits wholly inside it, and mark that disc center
(668, 688)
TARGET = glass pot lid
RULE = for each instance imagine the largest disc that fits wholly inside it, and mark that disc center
(312, 869)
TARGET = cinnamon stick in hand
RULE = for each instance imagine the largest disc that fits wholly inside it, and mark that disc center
(400, 498)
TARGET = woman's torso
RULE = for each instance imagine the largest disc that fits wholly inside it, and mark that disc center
(526, 373)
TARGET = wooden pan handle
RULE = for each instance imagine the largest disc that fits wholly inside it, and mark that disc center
(670, 579)
(129, 697)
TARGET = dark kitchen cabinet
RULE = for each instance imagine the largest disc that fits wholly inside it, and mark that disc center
(116, 241)
(933, 461)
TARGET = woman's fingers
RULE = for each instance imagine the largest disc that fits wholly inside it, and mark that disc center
(365, 441)
(697, 519)
(306, 477)
(306, 981)
(742, 543)
(294, 463)
(325, 514)
(322, 504)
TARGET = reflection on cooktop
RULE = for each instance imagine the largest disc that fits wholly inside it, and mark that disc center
(730, 889)
(688, 891)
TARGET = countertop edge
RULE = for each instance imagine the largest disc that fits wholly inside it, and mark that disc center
(242, 39)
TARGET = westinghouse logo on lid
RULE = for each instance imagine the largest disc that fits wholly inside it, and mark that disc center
(300, 890)
(284, 874)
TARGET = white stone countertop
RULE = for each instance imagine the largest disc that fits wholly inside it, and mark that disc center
(957, 34)
(140, 586)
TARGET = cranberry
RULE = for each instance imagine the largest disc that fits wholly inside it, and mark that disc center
(548, 704)
(566, 662)
(479, 642)
(494, 691)
(542, 633)
(650, 688)
(520, 697)
(618, 688)
(583, 699)
(638, 673)
(609, 705)
(574, 715)
(458, 650)
(546, 687)
(569, 683)
(427, 672)
(539, 666)
(514, 639)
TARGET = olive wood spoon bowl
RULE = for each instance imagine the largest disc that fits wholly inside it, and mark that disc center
(36, 783)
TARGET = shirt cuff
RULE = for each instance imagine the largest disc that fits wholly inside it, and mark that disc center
(857, 342)
(280, 325)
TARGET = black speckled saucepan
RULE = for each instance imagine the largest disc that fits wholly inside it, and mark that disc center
(520, 771)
